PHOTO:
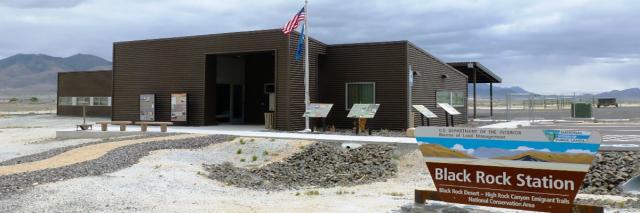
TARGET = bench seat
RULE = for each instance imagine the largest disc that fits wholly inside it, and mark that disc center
(163, 125)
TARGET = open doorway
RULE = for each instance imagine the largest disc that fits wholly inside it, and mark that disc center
(244, 86)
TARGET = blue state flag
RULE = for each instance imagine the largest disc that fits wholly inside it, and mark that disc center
(300, 45)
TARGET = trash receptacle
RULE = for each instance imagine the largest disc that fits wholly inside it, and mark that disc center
(269, 120)
(581, 110)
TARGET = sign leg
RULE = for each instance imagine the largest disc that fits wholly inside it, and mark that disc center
(421, 120)
(452, 121)
(446, 119)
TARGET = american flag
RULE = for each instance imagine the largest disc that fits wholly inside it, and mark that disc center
(293, 23)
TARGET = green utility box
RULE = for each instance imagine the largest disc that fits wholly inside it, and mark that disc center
(581, 110)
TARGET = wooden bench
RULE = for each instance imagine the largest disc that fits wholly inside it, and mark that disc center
(123, 124)
(144, 124)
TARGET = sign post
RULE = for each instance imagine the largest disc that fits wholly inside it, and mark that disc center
(363, 112)
(315, 110)
(525, 169)
(450, 111)
(424, 112)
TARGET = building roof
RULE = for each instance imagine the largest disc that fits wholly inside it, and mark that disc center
(483, 75)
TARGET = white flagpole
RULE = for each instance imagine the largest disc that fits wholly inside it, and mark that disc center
(306, 65)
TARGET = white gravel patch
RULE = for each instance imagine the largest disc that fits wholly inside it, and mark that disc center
(169, 180)
(30, 134)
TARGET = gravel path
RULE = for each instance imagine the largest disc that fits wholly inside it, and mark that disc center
(112, 161)
(56, 151)
(319, 165)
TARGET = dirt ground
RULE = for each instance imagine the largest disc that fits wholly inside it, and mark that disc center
(174, 180)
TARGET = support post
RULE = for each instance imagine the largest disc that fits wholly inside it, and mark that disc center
(491, 100)
(421, 119)
(475, 80)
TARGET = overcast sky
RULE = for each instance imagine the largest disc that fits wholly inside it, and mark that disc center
(543, 46)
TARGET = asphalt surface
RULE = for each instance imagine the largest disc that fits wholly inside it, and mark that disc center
(624, 136)
(520, 114)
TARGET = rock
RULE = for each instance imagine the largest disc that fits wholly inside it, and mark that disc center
(319, 165)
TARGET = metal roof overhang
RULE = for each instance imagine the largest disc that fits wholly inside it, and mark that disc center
(483, 74)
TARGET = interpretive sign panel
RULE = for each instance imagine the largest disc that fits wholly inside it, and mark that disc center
(527, 169)
(147, 107)
(450, 109)
(179, 107)
(317, 110)
(363, 110)
(424, 111)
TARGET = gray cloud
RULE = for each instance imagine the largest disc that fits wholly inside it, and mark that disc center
(544, 46)
(41, 3)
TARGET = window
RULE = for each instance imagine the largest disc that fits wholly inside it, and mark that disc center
(455, 98)
(65, 101)
(83, 101)
(100, 101)
(359, 93)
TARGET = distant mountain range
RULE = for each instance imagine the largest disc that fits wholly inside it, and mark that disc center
(482, 91)
(632, 94)
(36, 74)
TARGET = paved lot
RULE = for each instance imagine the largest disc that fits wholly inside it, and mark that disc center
(598, 113)
(615, 136)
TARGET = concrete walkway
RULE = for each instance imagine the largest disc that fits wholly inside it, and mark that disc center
(82, 154)
(259, 131)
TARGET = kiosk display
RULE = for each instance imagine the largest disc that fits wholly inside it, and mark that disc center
(450, 109)
(316, 110)
(424, 111)
(147, 107)
(179, 107)
(363, 110)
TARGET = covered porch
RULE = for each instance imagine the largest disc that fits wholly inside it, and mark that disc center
(477, 73)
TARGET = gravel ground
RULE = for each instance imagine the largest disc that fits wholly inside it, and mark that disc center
(319, 165)
(376, 132)
(117, 159)
(609, 170)
(56, 151)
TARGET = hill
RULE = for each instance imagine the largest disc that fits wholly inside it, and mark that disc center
(626, 94)
(36, 74)
(581, 158)
(435, 150)
(498, 92)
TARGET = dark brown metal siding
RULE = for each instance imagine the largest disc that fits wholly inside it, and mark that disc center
(84, 84)
(429, 81)
(295, 82)
(164, 66)
(382, 63)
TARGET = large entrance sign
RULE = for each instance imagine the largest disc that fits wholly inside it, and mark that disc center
(527, 169)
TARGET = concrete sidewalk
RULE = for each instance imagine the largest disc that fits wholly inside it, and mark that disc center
(247, 131)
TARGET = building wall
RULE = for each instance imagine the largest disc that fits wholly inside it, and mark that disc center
(84, 84)
(382, 63)
(164, 66)
(429, 81)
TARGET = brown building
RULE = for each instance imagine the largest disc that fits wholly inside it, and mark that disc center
(236, 77)
(90, 88)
